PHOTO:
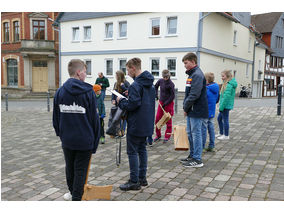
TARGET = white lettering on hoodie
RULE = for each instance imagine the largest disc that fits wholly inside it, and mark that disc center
(72, 108)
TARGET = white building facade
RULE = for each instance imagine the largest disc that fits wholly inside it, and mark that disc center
(107, 40)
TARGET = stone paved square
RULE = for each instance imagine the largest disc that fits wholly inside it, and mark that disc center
(249, 166)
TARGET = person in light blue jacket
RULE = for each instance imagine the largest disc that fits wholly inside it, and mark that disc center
(213, 98)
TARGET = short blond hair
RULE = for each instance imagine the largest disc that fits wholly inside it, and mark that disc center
(74, 65)
(209, 77)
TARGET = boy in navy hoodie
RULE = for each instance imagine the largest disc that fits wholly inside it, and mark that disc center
(77, 123)
(140, 107)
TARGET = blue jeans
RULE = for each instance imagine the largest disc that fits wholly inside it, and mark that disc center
(103, 94)
(137, 156)
(194, 134)
(208, 124)
(223, 121)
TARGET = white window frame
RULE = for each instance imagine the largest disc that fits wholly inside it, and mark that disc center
(90, 60)
(235, 40)
(159, 73)
(151, 22)
(171, 34)
(250, 44)
(105, 31)
(84, 27)
(171, 71)
(247, 70)
(108, 59)
(118, 36)
(118, 65)
(76, 27)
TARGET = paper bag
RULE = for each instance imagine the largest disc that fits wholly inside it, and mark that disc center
(180, 138)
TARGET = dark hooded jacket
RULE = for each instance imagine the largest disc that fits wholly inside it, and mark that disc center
(195, 102)
(140, 106)
(75, 117)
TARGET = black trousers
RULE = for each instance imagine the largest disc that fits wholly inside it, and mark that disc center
(76, 166)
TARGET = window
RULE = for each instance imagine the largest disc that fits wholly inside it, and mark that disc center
(249, 46)
(109, 67)
(155, 66)
(279, 41)
(87, 33)
(155, 27)
(122, 65)
(12, 72)
(122, 29)
(172, 26)
(247, 70)
(108, 30)
(270, 84)
(16, 31)
(75, 35)
(89, 67)
(39, 63)
(171, 65)
(235, 38)
(271, 61)
(6, 32)
(38, 30)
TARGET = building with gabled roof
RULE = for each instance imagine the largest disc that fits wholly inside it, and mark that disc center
(221, 40)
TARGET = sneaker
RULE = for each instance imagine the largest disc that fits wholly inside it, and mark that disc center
(102, 140)
(166, 140)
(67, 196)
(129, 185)
(218, 135)
(209, 149)
(156, 139)
(223, 137)
(193, 164)
(183, 160)
(143, 182)
(150, 143)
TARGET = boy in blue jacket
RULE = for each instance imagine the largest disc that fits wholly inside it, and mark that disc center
(77, 123)
(212, 97)
(140, 107)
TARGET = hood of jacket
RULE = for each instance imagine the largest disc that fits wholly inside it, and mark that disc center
(145, 78)
(233, 82)
(214, 88)
(77, 87)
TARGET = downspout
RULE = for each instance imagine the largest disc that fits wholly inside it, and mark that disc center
(252, 74)
(199, 35)
(59, 55)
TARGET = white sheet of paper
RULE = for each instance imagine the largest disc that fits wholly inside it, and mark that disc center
(117, 94)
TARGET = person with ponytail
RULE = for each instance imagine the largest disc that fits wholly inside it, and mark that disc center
(226, 103)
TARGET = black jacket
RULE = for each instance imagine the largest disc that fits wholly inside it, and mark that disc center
(140, 106)
(195, 102)
(75, 117)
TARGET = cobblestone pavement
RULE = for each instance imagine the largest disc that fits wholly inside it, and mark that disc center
(250, 166)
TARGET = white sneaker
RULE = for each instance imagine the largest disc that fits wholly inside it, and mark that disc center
(218, 135)
(223, 137)
(67, 196)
